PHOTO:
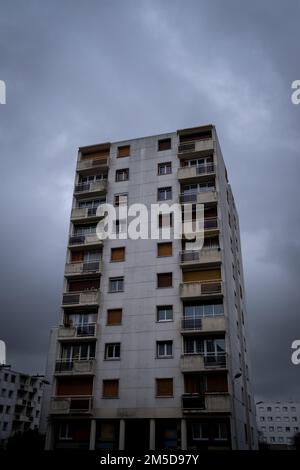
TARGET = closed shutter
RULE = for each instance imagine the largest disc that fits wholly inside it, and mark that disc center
(164, 280)
(164, 144)
(74, 386)
(198, 276)
(193, 384)
(77, 256)
(78, 286)
(117, 254)
(164, 249)
(164, 387)
(124, 151)
(217, 383)
(110, 388)
(114, 316)
(99, 155)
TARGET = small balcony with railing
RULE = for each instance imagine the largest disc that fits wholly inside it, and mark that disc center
(196, 173)
(201, 289)
(193, 143)
(209, 195)
(81, 268)
(75, 367)
(89, 189)
(190, 227)
(81, 299)
(203, 362)
(84, 214)
(93, 157)
(202, 324)
(207, 254)
(66, 405)
(207, 402)
(87, 240)
(78, 332)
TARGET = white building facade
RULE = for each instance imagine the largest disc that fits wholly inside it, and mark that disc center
(151, 350)
(20, 402)
(278, 422)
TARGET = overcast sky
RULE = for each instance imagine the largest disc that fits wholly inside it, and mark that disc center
(79, 73)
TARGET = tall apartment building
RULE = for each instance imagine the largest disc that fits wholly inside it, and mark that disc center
(151, 349)
(20, 402)
(278, 422)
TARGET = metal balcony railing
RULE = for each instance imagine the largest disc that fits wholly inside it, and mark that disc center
(78, 365)
(192, 401)
(75, 404)
(191, 323)
(83, 267)
(81, 298)
(192, 197)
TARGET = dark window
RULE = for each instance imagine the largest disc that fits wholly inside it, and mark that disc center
(164, 144)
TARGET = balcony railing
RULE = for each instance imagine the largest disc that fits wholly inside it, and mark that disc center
(196, 289)
(87, 239)
(194, 146)
(83, 212)
(191, 172)
(187, 256)
(82, 268)
(92, 163)
(192, 401)
(71, 405)
(197, 361)
(89, 297)
(191, 323)
(192, 197)
(76, 366)
(93, 186)
(77, 331)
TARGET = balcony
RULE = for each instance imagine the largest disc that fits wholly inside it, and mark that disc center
(203, 324)
(201, 362)
(198, 257)
(92, 164)
(84, 214)
(75, 269)
(204, 289)
(84, 331)
(22, 418)
(85, 298)
(195, 148)
(210, 225)
(90, 240)
(194, 173)
(80, 404)
(75, 367)
(95, 188)
(201, 197)
(218, 402)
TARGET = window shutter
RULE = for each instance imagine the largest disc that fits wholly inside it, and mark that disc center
(164, 249)
(110, 388)
(164, 387)
(164, 144)
(198, 276)
(114, 316)
(117, 254)
(77, 256)
(74, 386)
(124, 151)
(217, 383)
(164, 280)
(78, 286)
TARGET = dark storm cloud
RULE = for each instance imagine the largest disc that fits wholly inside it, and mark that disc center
(85, 72)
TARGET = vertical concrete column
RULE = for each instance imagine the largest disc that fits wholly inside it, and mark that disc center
(92, 435)
(183, 435)
(122, 435)
(49, 442)
(152, 435)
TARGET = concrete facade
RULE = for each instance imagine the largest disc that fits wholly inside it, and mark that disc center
(212, 407)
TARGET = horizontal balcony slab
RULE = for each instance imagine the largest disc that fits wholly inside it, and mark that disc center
(84, 214)
(217, 402)
(81, 298)
(205, 289)
(199, 257)
(203, 324)
(85, 331)
(200, 362)
(76, 269)
(95, 188)
(75, 367)
(82, 241)
(196, 148)
(92, 164)
(71, 405)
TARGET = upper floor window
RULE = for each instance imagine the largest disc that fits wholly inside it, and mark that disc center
(164, 144)
(116, 284)
(164, 168)
(112, 351)
(122, 175)
(164, 194)
(123, 151)
(164, 313)
(164, 349)
(121, 199)
(164, 280)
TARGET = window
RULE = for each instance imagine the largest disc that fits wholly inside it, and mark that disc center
(164, 168)
(117, 254)
(8, 408)
(164, 280)
(270, 418)
(203, 310)
(4, 426)
(165, 220)
(164, 249)
(114, 316)
(293, 409)
(121, 199)
(219, 431)
(294, 418)
(288, 429)
(164, 349)
(200, 431)
(164, 313)
(123, 151)
(164, 194)
(271, 428)
(269, 408)
(279, 428)
(280, 439)
(116, 284)
(285, 408)
(122, 175)
(110, 388)
(13, 379)
(112, 351)
(5, 377)
(296, 429)
(10, 394)
(164, 387)
(164, 144)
